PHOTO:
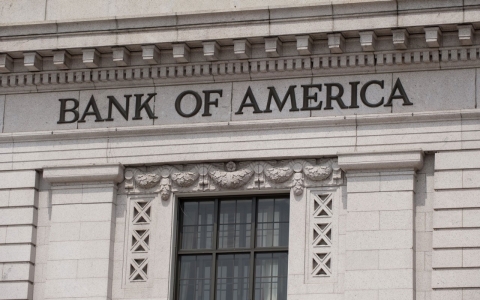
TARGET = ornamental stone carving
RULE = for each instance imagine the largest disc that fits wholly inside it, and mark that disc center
(248, 175)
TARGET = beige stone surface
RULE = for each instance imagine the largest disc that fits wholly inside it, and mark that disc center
(167, 97)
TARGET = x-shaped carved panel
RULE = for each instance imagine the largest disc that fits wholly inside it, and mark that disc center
(322, 234)
(141, 212)
(321, 264)
(323, 205)
(140, 240)
(139, 269)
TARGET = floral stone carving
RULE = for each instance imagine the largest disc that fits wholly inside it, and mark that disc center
(250, 175)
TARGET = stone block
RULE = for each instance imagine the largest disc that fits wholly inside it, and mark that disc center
(402, 219)
(471, 218)
(18, 216)
(77, 288)
(16, 290)
(447, 258)
(96, 231)
(151, 54)
(471, 294)
(304, 44)
(64, 232)
(336, 43)
(455, 160)
(66, 196)
(400, 39)
(23, 197)
(3, 235)
(433, 36)
(201, 103)
(211, 50)
(423, 241)
(242, 48)
(359, 221)
(17, 253)
(363, 184)
(447, 218)
(273, 47)
(471, 179)
(362, 260)
(368, 40)
(33, 61)
(457, 199)
(121, 56)
(94, 268)
(423, 281)
(17, 272)
(383, 239)
(396, 294)
(395, 259)
(444, 86)
(6, 63)
(471, 258)
(396, 182)
(384, 201)
(456, 278)
(181, 53)
(91, 58)
(448, 180)
(456, 238)
(379, 279)
(62, 59)
(19, 179)
(61, 269)
(86, 213)
(79, 250)
(361, 295)
(445, 294)
(21, 234)
(36, 117)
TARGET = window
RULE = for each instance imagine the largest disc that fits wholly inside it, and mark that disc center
(233, 249)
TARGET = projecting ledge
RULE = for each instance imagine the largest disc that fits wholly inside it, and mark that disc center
(91, 173)
(368, 161)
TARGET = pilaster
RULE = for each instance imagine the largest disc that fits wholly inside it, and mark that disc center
(80, 259)
(380, 224)
(18, 233)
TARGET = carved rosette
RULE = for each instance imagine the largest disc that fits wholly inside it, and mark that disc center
(253, 175)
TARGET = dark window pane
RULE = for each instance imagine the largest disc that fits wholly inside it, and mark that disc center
(235, 219)
(197, 225)
(271, 276)
(233, 277)
(195, 273)
(272, 223)
(282, 207)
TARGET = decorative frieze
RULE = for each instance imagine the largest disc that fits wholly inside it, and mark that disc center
(250, 175)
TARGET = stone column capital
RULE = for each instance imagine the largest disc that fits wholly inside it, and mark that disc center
(105, 173)
(384, 160)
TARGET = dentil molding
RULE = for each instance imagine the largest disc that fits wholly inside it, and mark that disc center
(247, 175)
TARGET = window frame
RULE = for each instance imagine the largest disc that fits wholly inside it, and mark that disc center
(214, 251)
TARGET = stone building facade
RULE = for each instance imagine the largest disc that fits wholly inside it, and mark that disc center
(240, 150)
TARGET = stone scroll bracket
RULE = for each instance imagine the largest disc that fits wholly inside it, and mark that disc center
(296, 174)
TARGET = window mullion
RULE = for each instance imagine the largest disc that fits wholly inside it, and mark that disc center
(214, 248)
(252, 245)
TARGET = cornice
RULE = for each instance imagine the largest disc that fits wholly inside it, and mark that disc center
(242, 69)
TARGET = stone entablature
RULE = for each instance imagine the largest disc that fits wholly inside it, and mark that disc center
(246, 175)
